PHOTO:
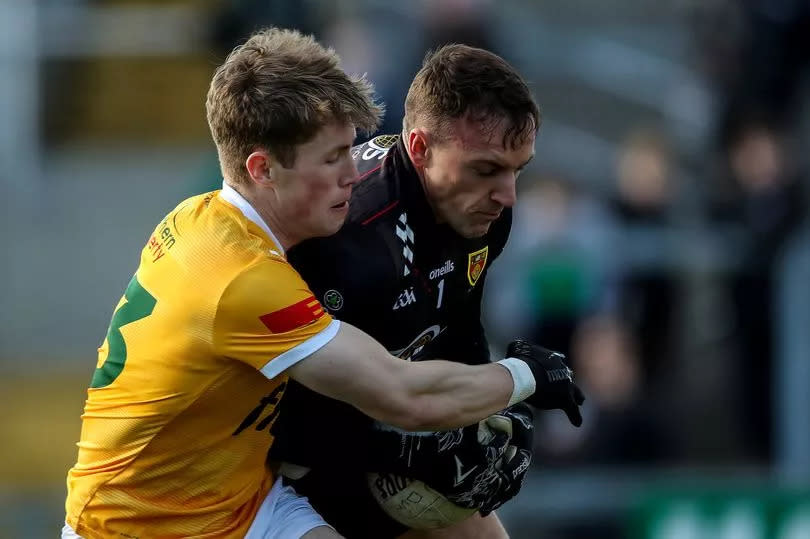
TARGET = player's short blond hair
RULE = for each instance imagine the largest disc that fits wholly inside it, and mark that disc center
(458, 80)
(275, 92)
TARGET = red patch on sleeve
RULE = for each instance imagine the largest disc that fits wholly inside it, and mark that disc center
(297, 315)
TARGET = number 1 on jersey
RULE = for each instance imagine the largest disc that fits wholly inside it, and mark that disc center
(140, 304)
(441, 294)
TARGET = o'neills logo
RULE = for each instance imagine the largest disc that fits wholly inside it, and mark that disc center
(446, 268)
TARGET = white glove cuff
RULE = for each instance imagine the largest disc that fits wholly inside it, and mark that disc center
(522, 377)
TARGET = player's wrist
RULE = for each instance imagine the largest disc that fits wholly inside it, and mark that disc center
(523, 380)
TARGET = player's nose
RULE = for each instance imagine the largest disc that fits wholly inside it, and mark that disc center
(505, 192)
(350, 174)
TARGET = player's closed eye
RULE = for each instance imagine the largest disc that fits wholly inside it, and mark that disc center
(487, 172)
(335, 157)
(490, 172)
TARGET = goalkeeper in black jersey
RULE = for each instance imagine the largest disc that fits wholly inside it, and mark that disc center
(429, 216)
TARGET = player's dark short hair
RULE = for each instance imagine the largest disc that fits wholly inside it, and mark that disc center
(275, 92)
(458, 80)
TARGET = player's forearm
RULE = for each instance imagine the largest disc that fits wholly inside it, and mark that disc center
(412, 396)
(446, 395)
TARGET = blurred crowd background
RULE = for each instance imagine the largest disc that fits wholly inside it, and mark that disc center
(660, 240)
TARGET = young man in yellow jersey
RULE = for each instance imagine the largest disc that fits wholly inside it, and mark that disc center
(189, 378)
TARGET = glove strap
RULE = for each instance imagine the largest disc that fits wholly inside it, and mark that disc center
(522, 377)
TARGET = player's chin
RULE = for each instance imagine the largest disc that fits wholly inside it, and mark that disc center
(474, 230)
(330, 226)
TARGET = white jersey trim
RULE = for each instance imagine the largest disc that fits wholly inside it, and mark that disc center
(231, 195)
(301, 351)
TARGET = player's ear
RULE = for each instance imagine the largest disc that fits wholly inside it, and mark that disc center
(259, 166)
(418, 142)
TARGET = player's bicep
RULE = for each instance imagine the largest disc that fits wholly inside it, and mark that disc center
(269, 319)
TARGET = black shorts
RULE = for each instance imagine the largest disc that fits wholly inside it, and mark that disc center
(344, 500)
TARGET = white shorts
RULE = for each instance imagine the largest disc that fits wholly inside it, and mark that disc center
(68, 533)
(284, 514)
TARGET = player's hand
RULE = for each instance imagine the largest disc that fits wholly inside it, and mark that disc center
(555, 387)
(454, 463)
(472, 477)
(514, 464)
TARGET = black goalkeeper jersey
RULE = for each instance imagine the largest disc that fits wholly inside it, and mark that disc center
(412, 284)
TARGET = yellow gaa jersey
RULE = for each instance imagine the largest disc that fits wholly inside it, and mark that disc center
(176, 426)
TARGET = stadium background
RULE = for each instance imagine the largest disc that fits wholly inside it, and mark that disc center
(661, 235)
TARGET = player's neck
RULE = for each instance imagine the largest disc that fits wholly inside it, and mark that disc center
(426, 190)
(277, 225)
(420, 174)
(269, 216)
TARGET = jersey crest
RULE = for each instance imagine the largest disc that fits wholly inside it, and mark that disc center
(476, 261)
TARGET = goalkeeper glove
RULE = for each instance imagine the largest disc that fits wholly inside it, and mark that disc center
(454, 463)
(512, 467)
(554, 382)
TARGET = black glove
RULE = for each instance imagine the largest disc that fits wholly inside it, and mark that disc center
(453, 463)
(555, 387)
(480, 467)
(511, 469)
